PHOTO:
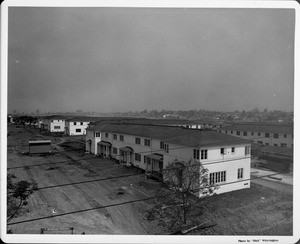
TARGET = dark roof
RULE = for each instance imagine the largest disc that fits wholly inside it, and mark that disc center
(144, 121)
(172, 134)
(56, 116)
(84, 119)
(259, 127)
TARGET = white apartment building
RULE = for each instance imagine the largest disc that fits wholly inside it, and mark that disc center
(54, 123)
(153, 147)
(78, 125)
(275, 135)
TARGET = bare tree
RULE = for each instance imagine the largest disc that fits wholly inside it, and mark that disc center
(18, 194)
(190, 185)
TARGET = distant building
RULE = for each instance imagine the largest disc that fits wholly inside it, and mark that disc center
(78, 125)
(170, 122)
(53, 123)
(153, 147)
(277, 135)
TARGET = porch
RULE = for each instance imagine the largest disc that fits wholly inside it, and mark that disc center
(104, 148)
(126, 155)
(154, 165)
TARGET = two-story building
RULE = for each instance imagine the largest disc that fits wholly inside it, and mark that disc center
(53, 123)
(77, 125)
(153, 147)
(277, 135)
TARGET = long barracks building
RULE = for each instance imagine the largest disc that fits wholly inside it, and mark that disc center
(153, 147)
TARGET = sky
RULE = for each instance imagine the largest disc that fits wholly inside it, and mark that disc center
(131, 59)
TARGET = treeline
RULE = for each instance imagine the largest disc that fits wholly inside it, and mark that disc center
(24, 119)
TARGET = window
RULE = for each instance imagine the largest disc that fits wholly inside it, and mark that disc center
(245, 133)
(97, 134)
(56, 127)
(147, 142)
(247, 150)
(106, 134)
(75, 123)
(121, 137)
(231, 132)
(222, 151)
(204, 154)
(267, 135)
(259, 142)
(252, 133)
(258, 133)
(196, 153)
(233, 150)
(138, 157)
(217, 177)
(283, 145)
(166, 148)
(78, 130)
(81, 123)
(275, 145)
(115, 150)
(226, 131)
(240, 173)
(162, 145)
(238, 133)
(275, 135)
(267, 144)
(137, 140)
(284, 135)
(115, 136)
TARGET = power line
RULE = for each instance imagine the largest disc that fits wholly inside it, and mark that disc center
(88, 181)
(123, 176)
(119, 204)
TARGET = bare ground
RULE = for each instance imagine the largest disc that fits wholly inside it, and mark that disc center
(255, 211)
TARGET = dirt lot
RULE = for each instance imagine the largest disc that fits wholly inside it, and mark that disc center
(255, 211)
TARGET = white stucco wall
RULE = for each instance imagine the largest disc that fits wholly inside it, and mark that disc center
(256, 137)
(71, 128)
(60, 123)
(215, 162)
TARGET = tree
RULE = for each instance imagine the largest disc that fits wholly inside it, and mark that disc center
(17, 195)
(190, 186)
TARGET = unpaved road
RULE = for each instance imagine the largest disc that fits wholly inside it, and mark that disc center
(274, 185)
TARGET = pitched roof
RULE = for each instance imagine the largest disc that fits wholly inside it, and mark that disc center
(259, 127)
(172, 134)
(144, 121)
(83, 119)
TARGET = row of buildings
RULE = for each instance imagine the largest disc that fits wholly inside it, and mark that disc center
(78, 125)
(152, 147)
(151, 144)
(276, 135)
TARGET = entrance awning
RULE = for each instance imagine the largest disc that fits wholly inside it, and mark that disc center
(104, 143)
(155, 156)
(126, 149)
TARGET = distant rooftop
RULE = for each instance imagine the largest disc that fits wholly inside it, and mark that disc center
(172, 134)
(261, 127)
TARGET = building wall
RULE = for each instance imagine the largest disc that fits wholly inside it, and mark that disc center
(71, 128)
(259, 137)
(54, 123)
(91, 136)
(215, 162)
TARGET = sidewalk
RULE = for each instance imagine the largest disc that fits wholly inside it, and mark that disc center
(283, 178)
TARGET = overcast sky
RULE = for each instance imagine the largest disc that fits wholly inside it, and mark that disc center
(121, 59)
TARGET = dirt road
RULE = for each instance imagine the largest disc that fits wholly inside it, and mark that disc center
(275, 185)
